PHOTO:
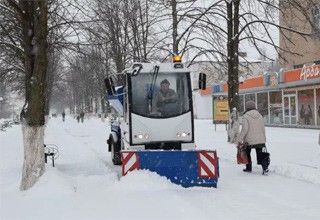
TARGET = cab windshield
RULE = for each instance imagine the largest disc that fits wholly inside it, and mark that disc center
(160, 96)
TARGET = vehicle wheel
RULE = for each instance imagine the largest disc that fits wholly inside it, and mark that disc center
(115, 152)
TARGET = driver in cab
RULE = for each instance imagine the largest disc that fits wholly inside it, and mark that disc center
(165, 95)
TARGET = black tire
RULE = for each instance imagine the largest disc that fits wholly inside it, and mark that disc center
(115, 152)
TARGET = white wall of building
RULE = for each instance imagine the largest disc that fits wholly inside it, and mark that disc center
(202, 106)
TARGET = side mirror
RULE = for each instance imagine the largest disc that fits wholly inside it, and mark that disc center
(109, 83)
(202, 81)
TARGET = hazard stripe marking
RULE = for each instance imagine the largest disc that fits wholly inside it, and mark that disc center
(209, 167)
(203, 172)
(207, 164)
(129, 162)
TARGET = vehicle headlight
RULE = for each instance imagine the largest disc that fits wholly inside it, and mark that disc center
(142, 136)
(182, 134)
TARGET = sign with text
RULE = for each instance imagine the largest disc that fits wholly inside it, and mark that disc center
(220, 109)
(309, 72)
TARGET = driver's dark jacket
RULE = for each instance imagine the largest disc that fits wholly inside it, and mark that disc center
(170, 94)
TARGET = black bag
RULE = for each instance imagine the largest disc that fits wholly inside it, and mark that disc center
(264, 158)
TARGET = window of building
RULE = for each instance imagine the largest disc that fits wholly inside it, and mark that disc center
(276, 115)
(318, 105)
(289, 92)
(299, 66)
(250, 97)
(306, 107)
(262, 105)
(317, 62)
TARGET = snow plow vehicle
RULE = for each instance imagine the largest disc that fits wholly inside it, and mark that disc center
(156, 127)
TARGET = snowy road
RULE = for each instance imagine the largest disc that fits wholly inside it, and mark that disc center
(85, 185)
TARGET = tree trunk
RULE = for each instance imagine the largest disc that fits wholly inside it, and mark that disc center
(33, 165)
(175, 27)
(236, 22)
(233, 57)
(230, 54)
(34, 24)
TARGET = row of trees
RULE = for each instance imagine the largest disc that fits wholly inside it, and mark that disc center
(61, 50)
(154, 30)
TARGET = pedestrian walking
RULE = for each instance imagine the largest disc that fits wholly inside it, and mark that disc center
(63, 116)
(253, 133)
(82, 116)
(308, 115)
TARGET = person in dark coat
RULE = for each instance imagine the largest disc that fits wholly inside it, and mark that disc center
(165, 96)
(302, 112)
(63, 115)
(82, 116)
(253, 133)
(78, 118)
(308, 115)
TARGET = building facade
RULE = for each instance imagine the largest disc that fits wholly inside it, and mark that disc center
(306, 49)
(288, 98)
(217, 73)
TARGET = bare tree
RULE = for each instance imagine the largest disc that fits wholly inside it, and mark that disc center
(29, 43)
(220, 29)
(252, 21)
(231, 24)
(24, 34)
(181, 15)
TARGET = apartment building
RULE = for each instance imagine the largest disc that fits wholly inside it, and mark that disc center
(306, 48)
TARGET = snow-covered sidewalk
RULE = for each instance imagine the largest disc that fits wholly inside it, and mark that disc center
(295, 153)
(85, 185)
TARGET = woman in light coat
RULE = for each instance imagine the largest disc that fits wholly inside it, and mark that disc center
(253, 133)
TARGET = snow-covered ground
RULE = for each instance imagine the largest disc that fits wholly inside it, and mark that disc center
(85, 185)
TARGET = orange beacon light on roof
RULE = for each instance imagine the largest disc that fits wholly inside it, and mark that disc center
(176, 58)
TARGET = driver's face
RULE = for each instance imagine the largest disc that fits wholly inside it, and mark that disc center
(164, 87)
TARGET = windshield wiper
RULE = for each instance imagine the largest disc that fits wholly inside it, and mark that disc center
(153, 83)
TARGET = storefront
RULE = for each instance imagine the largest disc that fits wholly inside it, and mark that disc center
(287, 98)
